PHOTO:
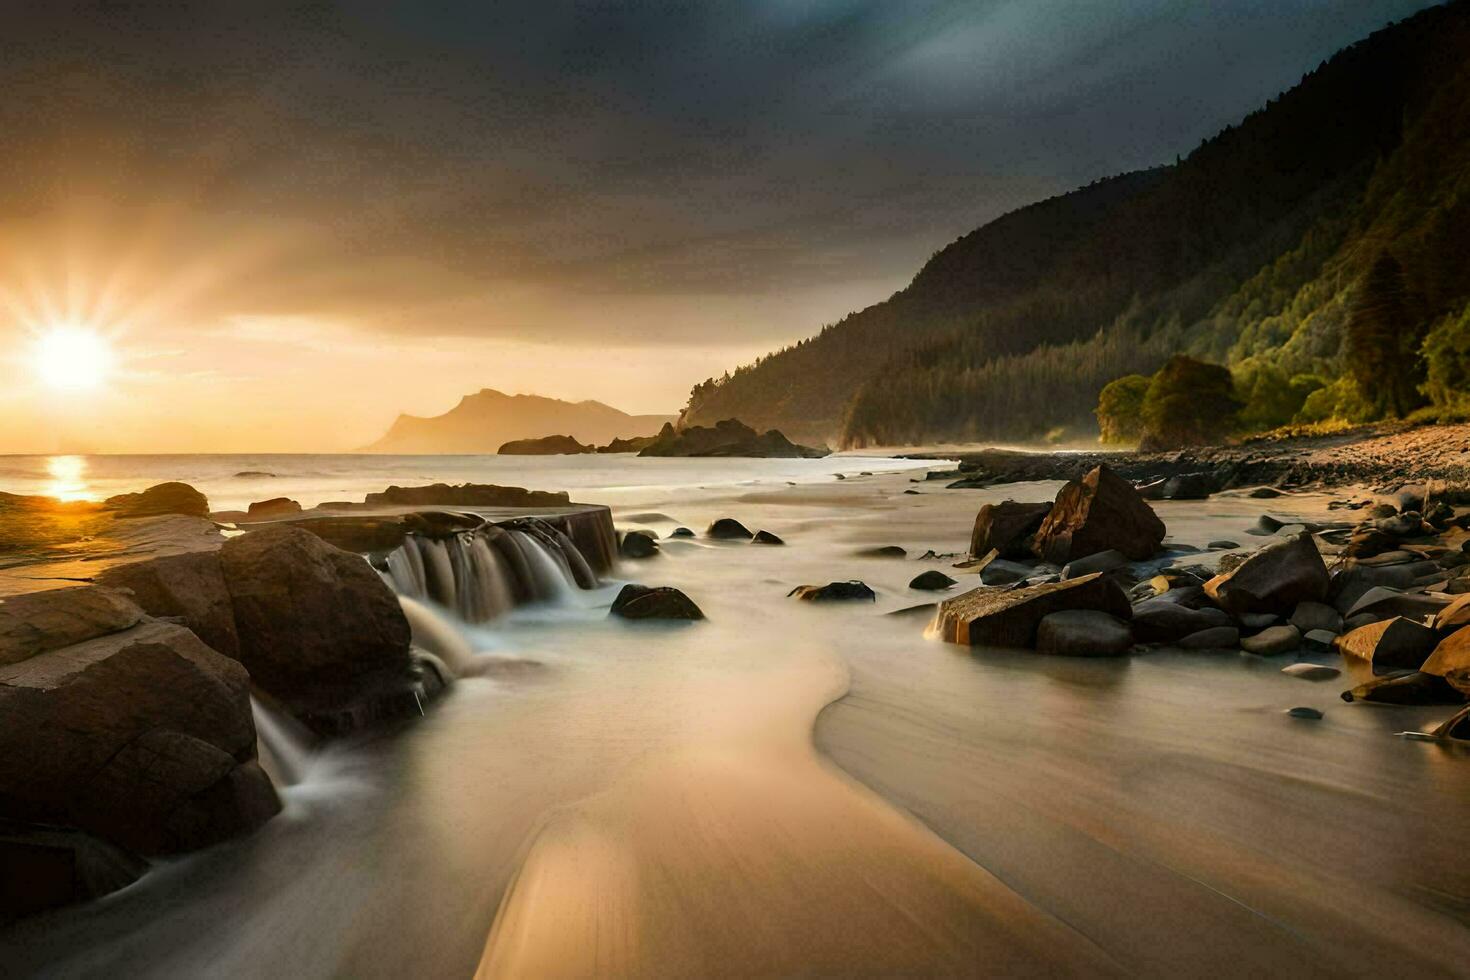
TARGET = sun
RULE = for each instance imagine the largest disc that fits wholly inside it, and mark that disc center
(71, 357)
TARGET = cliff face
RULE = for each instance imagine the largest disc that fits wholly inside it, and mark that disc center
(485, 421)
(1244, 251)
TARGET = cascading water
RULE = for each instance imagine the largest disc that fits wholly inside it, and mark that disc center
(436, 634)
(282, 750)
(482, 574)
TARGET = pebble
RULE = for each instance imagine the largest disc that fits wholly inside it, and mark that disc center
(1311, 672)
(1304, 712)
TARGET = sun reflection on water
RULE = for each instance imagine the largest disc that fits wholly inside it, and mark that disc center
(68, 478)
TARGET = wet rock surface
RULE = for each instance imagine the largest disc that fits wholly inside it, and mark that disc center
(657, 602)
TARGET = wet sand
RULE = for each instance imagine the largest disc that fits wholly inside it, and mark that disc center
(712, 799)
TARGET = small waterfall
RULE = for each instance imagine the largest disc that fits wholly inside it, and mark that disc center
(482, 574)
(436, 634)
(281, 747)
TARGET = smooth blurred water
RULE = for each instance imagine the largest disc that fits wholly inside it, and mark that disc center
(794, 789)
(231, 482)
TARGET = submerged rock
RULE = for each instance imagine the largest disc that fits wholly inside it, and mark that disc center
(1274, 579)
(766, 537)
(1311, 714)
(1100, 512)
(660, 602)
(1007, 528)
(1010, 617)
(886, 551)
(931, 581)
(1311, 672)
(143, 737)
(835, 592)
(728, 528)
(638, 544)
(681, 532)
(1083, 633)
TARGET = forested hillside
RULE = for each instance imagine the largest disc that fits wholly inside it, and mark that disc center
(1247, 252)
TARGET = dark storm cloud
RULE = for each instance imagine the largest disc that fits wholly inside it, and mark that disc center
(460, 167)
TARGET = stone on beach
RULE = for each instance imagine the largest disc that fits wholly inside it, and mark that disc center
(849, 591)
(1214, 638)
(1103, 561)
(1396, 642)
(885, 551)
(1162, 620)
(1100, 512)
(1407, 687)
(1450, 659)
(163, 498)
(1002, 572)
(766, 537)
(1309, 616)
(1273, 640)
(658, 602)
(1009, 618)
(142, 736)
(1083, 633)
(36, 622)
(1007, 527)
(638, 544)
(318, 629)
(1274, 579)
(1319, 641)
(728, 528)
(264, 510)
(1311, 672)
(931, 581)
(1301, 711)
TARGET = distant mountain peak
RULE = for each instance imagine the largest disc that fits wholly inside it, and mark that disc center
(483, 421)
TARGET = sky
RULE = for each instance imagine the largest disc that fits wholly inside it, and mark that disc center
(292, 222)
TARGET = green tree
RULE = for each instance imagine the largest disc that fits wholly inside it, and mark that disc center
(1381, 348)
(1188, 403)
(1447, 360)
(1271, 399)
(1120, 409)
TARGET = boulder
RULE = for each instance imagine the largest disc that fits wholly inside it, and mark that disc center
(1319, 641)
(728, 528)
(886, 551)
(1189, 486)
(998, 571)
(265, 510)
(1271, 641)
(189, 586)
(1308, 616)
(1009, 618)
(834, 592)
(1406, 687)
(1103, 561)
(1454, 615)
(1100, 512)
(1450, 659)
(36, 622)
(660, 602)
(1214, 638)
(43, 867)
(766, 537)
(318, 629)
(1083, 633)
(1007, 527)
(638, 544)
(1265, 493)
(1311, 672)
(931, 581)
(681, 532)
(1381, 602)
(164, 498)
(1274, 579)
(1396, 642)
(1161, 620)
(143, 737)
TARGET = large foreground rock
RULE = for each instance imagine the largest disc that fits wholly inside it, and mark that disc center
(44, 867)
(1274, 579)
(1100, 512)
(1451, 660)
(190, 586)
(143, 737)
(1008, 528)
(1010, 617)
(1398, 642)
(36, 622)
(317, 627)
